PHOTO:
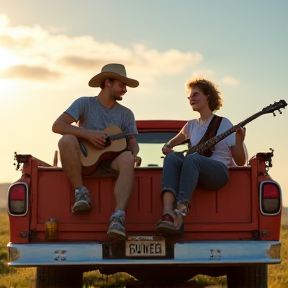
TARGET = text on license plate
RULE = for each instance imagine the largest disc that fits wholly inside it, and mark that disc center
(145, 246)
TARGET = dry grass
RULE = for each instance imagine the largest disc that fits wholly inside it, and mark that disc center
(278, 274)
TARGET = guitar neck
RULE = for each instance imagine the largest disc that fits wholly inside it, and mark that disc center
(235, 127)
(248, 120)
(117, 136)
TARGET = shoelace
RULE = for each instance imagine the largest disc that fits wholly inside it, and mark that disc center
(82, 193)
(181, 213)
(182, 209)
(119, 216)
(118, 219)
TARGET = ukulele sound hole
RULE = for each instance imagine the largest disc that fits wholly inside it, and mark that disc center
(108, 142)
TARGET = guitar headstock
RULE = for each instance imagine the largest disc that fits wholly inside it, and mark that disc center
(273, 107)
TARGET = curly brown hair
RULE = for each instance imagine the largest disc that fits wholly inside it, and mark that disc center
(210, 89)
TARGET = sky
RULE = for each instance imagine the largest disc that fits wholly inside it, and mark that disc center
(49, 50)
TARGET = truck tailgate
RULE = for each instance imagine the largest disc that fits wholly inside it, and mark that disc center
(221, 214)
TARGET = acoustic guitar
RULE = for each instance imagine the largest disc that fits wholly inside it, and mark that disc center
(115, 144)
(202, 148)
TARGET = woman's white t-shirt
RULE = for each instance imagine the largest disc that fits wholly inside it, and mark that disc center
(221, 151)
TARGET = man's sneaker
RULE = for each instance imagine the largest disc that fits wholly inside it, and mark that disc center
(117, 228)
(82, 200)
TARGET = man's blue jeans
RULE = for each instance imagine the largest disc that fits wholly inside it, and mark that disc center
(181, 174)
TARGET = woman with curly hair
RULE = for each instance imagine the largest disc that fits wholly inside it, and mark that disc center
(181, 174)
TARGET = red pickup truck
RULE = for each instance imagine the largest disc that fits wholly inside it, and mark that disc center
(233, 231)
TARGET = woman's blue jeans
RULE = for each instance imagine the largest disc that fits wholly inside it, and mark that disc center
(181, 175)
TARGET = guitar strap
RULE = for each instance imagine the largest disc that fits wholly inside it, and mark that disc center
(212, 129)
(210, 133)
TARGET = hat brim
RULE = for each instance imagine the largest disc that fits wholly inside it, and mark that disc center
(97, 80)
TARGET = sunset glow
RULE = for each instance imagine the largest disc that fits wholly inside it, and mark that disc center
(7, 59)
(47, 58)
(6, 87)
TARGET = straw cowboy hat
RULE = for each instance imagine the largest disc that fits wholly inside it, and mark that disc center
(114, 71)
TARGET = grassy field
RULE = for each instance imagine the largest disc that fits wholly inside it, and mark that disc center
(22, 277)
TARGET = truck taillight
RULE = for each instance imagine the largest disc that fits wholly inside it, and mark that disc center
(18, 199)
(270, 198)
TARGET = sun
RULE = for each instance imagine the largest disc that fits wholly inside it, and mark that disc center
(7, 59)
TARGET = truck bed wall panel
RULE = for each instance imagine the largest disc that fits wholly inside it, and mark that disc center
(207, 207)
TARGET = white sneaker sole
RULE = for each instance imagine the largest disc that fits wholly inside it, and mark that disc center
(81, 205)
(116, 233)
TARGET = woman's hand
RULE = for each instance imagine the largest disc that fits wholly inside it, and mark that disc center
(166, 149)
(240, 134)
(239, 152)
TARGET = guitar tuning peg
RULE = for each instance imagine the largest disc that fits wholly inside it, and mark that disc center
(272, 151)
(274, 114)
(280, 111)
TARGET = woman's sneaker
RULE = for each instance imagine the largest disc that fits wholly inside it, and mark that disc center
(117, 228)
(82, 200)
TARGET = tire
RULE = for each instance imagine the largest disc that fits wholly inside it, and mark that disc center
(55, 276)
(250, 276)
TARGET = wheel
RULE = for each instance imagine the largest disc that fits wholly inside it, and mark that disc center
(250, 276)
(55, 276)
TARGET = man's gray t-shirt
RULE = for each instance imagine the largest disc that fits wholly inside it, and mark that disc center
(91, 114)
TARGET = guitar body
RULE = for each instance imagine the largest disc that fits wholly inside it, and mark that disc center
(201, 150)
(95, 155)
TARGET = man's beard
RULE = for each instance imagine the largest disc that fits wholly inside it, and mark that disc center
(117, 97)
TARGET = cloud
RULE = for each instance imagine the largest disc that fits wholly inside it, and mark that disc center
(78, 62)
(29, 72)
(43, 55)
(229, 80)
(203, 73)
(169, 62)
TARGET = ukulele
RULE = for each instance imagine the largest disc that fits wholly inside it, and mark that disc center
(202, 148)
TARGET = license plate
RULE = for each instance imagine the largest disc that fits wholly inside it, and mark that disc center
(145, 246)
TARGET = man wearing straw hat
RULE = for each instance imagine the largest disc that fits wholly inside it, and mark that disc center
(93, 115)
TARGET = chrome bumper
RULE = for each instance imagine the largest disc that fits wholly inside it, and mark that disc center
(195, 253)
